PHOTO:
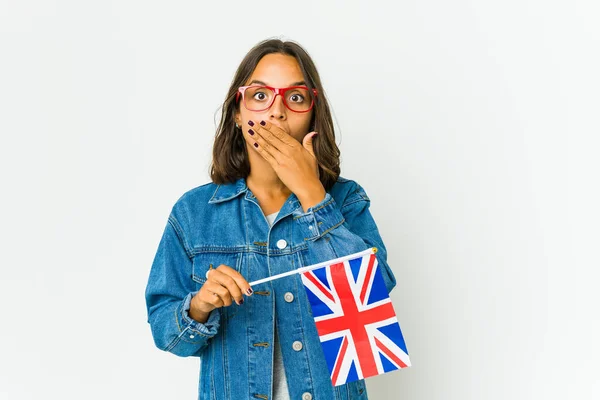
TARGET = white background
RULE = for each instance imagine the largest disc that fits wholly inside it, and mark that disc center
(473, 126)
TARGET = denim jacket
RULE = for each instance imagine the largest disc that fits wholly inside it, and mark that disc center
(224, 224)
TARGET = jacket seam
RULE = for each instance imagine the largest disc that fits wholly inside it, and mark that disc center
(177, 319)
(174, 342)
(180, 235)
(355, 201)
(315, 209)
(302, 330)
(328, 230)
(225, 359)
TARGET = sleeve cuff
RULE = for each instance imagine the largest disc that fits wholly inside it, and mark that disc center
(208, 329)
(320, 219)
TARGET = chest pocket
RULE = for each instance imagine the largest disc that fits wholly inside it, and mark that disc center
(203, 261)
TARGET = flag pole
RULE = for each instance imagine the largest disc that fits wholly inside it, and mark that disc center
(371, 250)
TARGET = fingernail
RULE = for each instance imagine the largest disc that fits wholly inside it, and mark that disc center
(241, 302)
(255, 144)
(263, 123)
(250, 131)
(250, 123)
(249, 291)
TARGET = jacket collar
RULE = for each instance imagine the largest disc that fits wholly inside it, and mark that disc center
(228, 191)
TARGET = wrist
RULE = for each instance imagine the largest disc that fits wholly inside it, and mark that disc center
(198, 316)
(312, 197)
(196, 312)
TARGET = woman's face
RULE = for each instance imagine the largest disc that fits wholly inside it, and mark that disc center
(279, 71)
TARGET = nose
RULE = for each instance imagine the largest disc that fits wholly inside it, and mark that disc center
(277, 109)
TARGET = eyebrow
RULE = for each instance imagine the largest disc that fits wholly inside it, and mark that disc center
(299, 83)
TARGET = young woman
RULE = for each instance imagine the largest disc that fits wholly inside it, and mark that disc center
(276, 202)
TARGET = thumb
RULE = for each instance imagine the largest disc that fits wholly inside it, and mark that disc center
(307, 142)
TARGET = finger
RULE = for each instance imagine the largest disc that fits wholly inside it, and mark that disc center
(267, 151)
(241, 282)
(209, 293)
(229, 284)
(277, 132)
(216, 294)
(276, 136)
(220, 291)
(308, 142)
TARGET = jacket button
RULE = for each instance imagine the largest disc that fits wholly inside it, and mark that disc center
(306, 396)
(281, 244)
(297, 345)
(288, 297)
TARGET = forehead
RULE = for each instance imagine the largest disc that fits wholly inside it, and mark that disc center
(277, 70)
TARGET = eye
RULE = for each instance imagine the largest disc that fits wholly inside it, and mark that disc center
(297, 98)
(260, 96)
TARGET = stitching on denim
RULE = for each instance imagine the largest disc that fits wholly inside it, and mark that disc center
(173, 344)
(302, 323)
(175, 341)
(244, 223)
(232, 311)
(236, 264)
(221, 199)
(330, 229)
(198, 332)
(212, 375)
(214, 193)
(335, 226)
(177, 319)
(355, 201)
(218, 249)
(180, 235)
(204, 249)
(225, 359)
(315, 209)
(323, 205)
(247, 336)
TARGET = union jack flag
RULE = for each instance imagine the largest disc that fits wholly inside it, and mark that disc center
(355, 319)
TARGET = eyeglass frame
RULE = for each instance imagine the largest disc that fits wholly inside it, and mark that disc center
(277, 91)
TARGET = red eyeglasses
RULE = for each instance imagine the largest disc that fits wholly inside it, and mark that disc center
(259, 98)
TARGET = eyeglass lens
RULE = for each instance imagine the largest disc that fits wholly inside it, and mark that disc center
(258, 98)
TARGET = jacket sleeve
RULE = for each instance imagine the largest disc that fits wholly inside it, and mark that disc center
(349, 226)
(168, 295)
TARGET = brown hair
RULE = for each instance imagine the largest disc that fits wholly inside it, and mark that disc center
(230, 158)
